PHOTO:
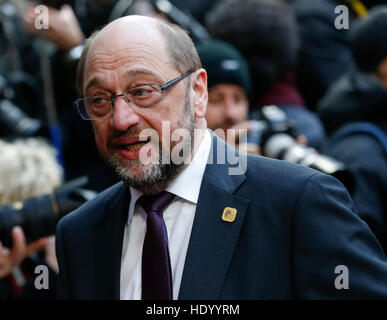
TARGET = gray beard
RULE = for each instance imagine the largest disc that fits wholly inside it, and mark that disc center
(157, 176)
(154, 179)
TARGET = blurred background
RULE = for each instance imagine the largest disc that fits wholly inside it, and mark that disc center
(307, 79)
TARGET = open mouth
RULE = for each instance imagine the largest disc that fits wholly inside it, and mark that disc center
(131, 144)
(135, 146)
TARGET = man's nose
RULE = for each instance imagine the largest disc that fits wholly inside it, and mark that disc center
(123, 115)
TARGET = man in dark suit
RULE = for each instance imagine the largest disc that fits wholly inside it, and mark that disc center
(239, 227)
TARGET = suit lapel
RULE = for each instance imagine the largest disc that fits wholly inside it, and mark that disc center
(213, 240)
(109, 238)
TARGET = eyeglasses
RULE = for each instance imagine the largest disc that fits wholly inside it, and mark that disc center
(143, 96)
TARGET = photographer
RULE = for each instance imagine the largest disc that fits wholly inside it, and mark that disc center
(28, 168)
(22, 111)
(230, 91)
(274, 135)
(69, 23)
(355, 115)
(229, 85)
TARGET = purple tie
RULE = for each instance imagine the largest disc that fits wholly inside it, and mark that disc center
(156, 265)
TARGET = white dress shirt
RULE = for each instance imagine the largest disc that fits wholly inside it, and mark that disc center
(178, 217)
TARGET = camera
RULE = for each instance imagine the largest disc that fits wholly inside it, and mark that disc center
(276, 136)
(39, 216)
(13, 121)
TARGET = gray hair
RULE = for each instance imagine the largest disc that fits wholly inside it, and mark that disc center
(180, 47)
(28, 168)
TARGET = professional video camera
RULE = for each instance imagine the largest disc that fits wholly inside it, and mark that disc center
(38, 216)
(276, 136)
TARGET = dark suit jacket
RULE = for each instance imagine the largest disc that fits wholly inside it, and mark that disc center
(293, 227)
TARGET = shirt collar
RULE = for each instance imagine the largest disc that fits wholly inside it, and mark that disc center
(187, 184)
(135, 194)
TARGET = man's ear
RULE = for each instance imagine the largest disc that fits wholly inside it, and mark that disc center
(200, 93)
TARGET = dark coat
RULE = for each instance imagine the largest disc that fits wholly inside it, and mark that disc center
(359, 97)
(354, 97)
(293, 227)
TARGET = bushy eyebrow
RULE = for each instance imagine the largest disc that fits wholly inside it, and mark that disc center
(95, 81)
(137, 72)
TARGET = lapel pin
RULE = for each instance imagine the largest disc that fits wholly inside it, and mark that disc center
(229, 214)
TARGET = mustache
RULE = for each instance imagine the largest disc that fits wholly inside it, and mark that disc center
(130, 132)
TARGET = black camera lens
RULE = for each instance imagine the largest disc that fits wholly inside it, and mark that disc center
(39, 216)
(34, 216)
(13, 122)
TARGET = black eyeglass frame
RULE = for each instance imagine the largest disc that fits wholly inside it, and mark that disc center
(163, 87)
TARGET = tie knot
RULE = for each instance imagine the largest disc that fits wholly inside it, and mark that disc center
(157, 202)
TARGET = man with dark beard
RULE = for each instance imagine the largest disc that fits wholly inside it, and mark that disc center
(190, 227)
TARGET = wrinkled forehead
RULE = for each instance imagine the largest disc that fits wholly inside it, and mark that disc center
(128, 40)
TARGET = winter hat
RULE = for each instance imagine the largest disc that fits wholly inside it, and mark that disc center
(368, 39)
(224, 64)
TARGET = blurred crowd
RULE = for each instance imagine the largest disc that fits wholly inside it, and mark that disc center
(307, 80)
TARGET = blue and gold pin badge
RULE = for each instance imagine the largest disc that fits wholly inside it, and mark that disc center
(229, 214)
